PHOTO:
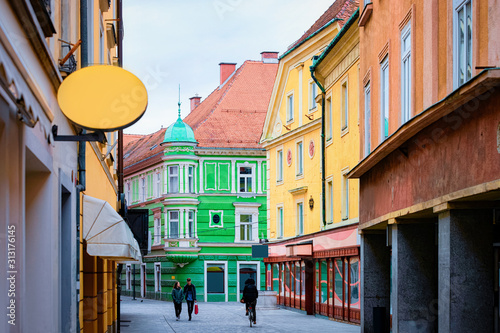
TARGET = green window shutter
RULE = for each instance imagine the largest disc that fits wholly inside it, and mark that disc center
(211, 173)
(224, 170)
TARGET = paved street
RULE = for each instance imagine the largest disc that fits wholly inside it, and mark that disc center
(158, 316)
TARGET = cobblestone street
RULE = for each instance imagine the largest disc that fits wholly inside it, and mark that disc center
(158, 316)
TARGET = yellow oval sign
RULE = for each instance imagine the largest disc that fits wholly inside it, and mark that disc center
(103, 97)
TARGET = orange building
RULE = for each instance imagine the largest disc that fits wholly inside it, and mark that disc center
(429, 174)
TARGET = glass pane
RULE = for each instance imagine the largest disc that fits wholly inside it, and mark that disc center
(469, 41)
(276, 272)
(297, 279)
(346, 286)
(354, 285)
(249, 184)
(242, 184)
(339, 294)
(461, 45)
(316, 285)
(215, 278)
(246, 218)
(247, 271)
(287, 280)
(174, 229)
(324, 285)
(245, 171)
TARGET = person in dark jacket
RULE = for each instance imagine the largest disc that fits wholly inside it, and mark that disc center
(190, 294)
(177, 297)
(250, 295)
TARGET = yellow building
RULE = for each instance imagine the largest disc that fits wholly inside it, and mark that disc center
(313, 216)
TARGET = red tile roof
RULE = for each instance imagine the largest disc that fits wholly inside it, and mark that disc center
(232, 116)
(340, 9)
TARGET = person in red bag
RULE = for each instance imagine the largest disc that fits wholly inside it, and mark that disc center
(190, 294)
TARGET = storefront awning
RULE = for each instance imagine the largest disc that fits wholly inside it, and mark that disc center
(107, 234)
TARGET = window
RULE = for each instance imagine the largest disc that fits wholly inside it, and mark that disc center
(300, 159)
(246, 227)
(216, 220)
(158, 277)
(191, 224)
(345, 196)
(384, 99)
(128, 277)
(173, 224)
(289, 108)
(245, 175)
(158, 185)
(367, 119)
(157, 232)
(300, 218)
(406, 74)
(143, 189)
(330, 201)
(173, 179)
(280, 219)
(128, 194)
(313, 88)
(190, 179)
(279, 166)
(463, 42)
(329, 117)
(345, 106)
(247, 271)
(215, 278)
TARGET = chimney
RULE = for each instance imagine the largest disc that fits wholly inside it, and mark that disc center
(195, 101)
(269, 57)
(226, 69)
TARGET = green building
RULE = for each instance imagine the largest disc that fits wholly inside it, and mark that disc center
(203, 180)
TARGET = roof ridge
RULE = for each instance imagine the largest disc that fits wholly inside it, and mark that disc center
(219, 101)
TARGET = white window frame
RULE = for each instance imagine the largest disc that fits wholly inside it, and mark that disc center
(193, 222)
(329, 194)
(143, 189)
(290, 109)
(329, 116)
(345, 194)
(247, 228)
(344, 112)
(246, 209)
(128, 193)
(313, 92)
(178, 211)
(384, 98)
(157, 277)
(299, 164)
(300, 219)
(157, 231)
(280, 221)
(279, 166)
(257, 284)
(406, 76)
(128, 277)
(458, 61)
(171, 178)
(205, 265)
(367, 129)
(190, 179)
(253, 176)
(158, 185)
(221, 214)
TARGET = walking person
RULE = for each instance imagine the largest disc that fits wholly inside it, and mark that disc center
(177, 297)
(250, 295)
(190, 294)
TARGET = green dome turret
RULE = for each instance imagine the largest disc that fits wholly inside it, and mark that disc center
(179, 131)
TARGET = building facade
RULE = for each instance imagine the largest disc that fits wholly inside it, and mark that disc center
(45, 181)
(203, 180)
(313, 261)
(429, 175)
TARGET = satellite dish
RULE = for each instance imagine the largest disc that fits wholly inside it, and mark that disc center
(103, 97)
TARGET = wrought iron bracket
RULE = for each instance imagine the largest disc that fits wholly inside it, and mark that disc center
(93, 136)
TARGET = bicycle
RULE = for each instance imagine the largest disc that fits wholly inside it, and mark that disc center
(250, 314)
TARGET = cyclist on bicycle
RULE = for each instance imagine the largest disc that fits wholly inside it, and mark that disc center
(250, 295)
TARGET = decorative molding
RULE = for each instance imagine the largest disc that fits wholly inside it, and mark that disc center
(406, 19)
(344, 65)
(384, 52)
(368, 76)
(298, 190)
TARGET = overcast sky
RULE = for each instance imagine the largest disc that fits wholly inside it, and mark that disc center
(172, 42)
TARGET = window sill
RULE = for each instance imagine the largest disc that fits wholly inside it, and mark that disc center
(301, 176)
(280, 182)
(290, 121)
(344, 131)
(314, 109)
(329, 142)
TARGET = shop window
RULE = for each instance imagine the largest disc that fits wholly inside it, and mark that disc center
(355, 283)
(276, 278)
(247, 271)
(339, 283)
(215, 278)
(324, 282)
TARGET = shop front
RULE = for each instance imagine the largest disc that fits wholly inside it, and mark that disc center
(318, 273)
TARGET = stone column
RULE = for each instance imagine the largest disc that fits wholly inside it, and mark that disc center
(375, 279)
(466, 297)
(414, 276)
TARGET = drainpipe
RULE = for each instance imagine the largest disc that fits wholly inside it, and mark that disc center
(84, 59)
(323, 177)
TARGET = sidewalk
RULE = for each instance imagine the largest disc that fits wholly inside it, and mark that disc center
(157, 316)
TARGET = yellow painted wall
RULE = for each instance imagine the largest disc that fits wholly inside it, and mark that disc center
(342, 150)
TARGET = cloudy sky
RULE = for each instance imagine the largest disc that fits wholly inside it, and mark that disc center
(172, 42)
